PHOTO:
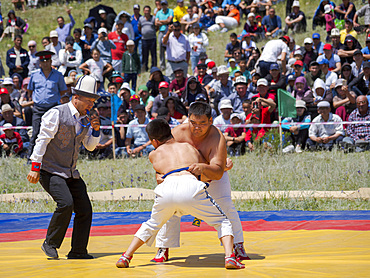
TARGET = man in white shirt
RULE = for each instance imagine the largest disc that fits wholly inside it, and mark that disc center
(226, 109)
(330, 77)
(63, 129)
(189, 19)
(325, 136)
(55, 46)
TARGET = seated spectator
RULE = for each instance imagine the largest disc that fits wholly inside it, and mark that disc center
(176, 109)
(296, 20)
(233, 44)
(124, 96)
(232, 66)
(96, 65)
(272, 22)
(207, 19)
(308, 52)
(141, 144)
(203, 78)
(198, 42)
(300, 88)
(345, 10)
(325, 136)
(6, 99)
(70, 59)
(313, 74)
(335, 40)
(254, 135)
(10, 141)
(26, 102)
(159, 99)
(188, 20)
(252, 60)
(263, 102)
(34, 64)
(252, 87)
(346, 73)
(344, 101)
(319, 16)
(134, 101)
(193, 87)
(297, 134)
(334, 60)
(19, 5)
(224, 118)
(318, 94)
(358, 135)
(364, 11)
(276, 80)
(360, 84)
(178, 85)
(243, 69)
(8, 117)
(261, 7)
(226, 23)
(251, 27)
(146, 99)
(318, 45)
(291, 82)
(221, 88)
(348, 30)
(330, 77)
(297, 69)
(248, 45)
(164, 113)
(235, 136)
(348, 49)
(358, 63)
(329, 18)
(14, 26)
(120, 133)
(155, 78)
(17, 86)
(240, 95)
(366, 50)
(89, 36)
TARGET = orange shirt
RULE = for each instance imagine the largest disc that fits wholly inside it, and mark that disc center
(236, 14)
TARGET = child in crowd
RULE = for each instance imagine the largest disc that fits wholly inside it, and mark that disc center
(130, 64)
(233, 67)
(235, 136)
(254, 135)
(329, 18)
(10, 141)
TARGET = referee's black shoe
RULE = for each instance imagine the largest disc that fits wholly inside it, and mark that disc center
(49, 250)
(85, 256)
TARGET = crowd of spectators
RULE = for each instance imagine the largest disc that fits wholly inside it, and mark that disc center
(329, 77)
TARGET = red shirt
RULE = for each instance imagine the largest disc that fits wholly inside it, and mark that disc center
(120, 42)
(258, 132)
(15, 139)
(177, 115)
(265, 114)
(234, 133)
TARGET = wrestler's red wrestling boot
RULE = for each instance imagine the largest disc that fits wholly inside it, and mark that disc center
(162, 255)
(240, 252)
(233, 263)
(123, 261)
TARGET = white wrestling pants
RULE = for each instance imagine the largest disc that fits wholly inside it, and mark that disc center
(182, 195)
(220, 190)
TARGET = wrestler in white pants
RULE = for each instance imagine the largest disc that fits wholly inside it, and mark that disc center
(220, 190)
(182, 195)
(230, 23)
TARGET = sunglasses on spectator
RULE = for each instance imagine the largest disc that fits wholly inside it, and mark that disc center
(307, 43)
(177, 30)
(32, 46)
(163, 4)
(297, 66)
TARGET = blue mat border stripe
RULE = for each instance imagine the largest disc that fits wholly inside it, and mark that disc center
(17, 222)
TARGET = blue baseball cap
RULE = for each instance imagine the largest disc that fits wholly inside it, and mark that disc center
(324, 61)
(274, 67)
(315, 35)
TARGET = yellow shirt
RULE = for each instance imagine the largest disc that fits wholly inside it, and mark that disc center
(343, 34)
(179, 12)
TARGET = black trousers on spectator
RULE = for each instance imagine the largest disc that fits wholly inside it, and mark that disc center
(70, 195)
(317, 20)
(300, 138)
(27, 112)
(288, 7)
(149, 46)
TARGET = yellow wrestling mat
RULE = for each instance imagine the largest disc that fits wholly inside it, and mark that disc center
(300, 253)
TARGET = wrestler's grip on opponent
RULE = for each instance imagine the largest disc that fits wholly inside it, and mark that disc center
(197, 169)
(34, 176)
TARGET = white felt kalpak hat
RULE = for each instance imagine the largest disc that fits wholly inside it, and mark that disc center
(86, 86)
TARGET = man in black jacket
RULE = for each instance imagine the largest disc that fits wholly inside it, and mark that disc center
(358, 85)
(19, 65)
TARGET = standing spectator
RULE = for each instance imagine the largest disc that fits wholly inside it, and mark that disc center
(119, 39)
(83, 45)
(198, 42)
(104, 45)
(141, 143)
(348, 30)
(334, 60)
(364, 11)
(17, 58)
(55, 46)
(148, 30)
(135, 18)
(96, 66)
(34, 61)
(224, 118)
(308, 52)
(69, 58)
(105, 20)
(345, 10)
(127, 29)
(162, 19)
(64, 30)
(272, 23)
(325, 136)
(130, 64)
(14, 26)
(273, 49)
(296, 20)
(178, 50)
(89, 37)
(240, 95)
(329, 18)
(226, 23)
(358, 135)
(26, 102)
(235, 136)
(46, 85)
(319, 16)
(178, 85)
(318, 45)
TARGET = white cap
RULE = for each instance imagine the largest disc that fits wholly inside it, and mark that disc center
(308, 40)
(101, 11)
(295, 4)
(222, 70)
(7, 126)
(240, 80)
(251, 14)
(335, 32)
(327, 8)
(102, 30)
(8, 81)
(323, 103)
(130, 42)
(31, 43)
(236, 115)
(126, 86)
(225, 103)
(262, 82)
(300, 104)
(53, 34)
